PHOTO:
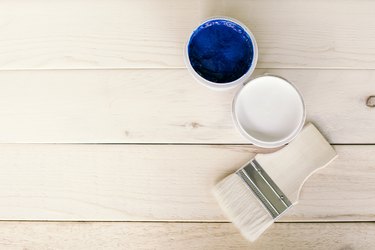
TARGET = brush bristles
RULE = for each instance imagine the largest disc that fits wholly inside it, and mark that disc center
(242, 207)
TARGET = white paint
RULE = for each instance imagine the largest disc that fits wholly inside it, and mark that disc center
(269, 111)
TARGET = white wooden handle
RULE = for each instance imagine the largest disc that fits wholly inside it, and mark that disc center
(291, 166)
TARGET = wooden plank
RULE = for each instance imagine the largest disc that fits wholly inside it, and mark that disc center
(153, 106)
(46, 34)
(163, 182)
(309, 236)
(95, 34)
(309, 34)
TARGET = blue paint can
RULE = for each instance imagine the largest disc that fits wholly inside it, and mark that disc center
(221, 53)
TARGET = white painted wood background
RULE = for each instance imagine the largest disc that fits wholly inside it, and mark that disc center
(106, 141)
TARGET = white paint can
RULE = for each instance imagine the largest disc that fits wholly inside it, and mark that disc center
(269, 111)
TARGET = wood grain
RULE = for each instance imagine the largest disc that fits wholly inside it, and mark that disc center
(163, 182)
(309, 236)
(165, 106)
(71, 34)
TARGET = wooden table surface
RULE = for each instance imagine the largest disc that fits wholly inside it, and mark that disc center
(107, 142)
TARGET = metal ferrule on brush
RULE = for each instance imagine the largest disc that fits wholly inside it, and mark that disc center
(264, 188)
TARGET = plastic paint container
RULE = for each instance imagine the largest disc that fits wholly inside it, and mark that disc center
(269, 111)
(221, 53)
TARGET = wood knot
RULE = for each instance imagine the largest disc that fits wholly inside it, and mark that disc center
(195, 125)
(370, 101)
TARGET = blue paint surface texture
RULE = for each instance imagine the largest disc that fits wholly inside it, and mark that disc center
(220, 51)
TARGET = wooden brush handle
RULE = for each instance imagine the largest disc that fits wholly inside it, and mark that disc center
(292, 165)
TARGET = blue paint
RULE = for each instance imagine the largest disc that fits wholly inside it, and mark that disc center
(220, 51)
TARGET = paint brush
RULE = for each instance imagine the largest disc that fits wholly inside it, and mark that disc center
(262, 190)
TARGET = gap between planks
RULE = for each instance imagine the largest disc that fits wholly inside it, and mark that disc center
(179, 221)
